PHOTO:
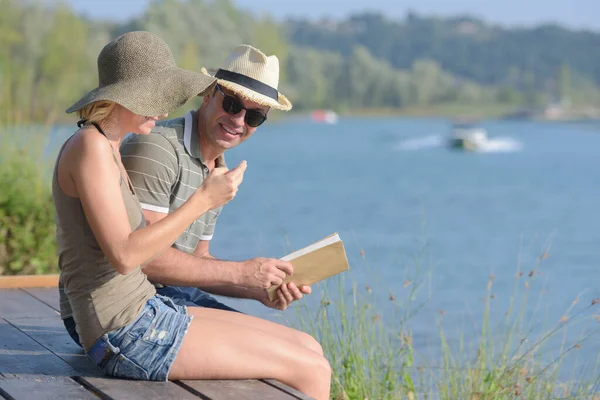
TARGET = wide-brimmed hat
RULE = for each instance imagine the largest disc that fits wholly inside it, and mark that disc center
(252, 75)
(137, 70)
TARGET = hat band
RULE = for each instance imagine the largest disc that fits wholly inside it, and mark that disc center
(248, 82)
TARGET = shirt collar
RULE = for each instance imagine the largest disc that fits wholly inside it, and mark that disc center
(190, 136)
(191, 141)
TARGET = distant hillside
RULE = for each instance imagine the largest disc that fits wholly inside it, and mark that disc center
(364, 64)
(465, 47)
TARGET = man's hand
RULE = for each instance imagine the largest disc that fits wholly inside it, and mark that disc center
(221, 185)
(262, 273)
(286, 295)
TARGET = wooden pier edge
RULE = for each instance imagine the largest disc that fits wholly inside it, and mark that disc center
(28, 281)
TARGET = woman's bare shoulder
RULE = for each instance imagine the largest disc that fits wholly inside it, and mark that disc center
(89, 139)
(86, 149)
(87, 144)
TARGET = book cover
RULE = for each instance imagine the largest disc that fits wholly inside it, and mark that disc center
(316, 262)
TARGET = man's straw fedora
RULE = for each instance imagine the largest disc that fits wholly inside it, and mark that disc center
(252, 75)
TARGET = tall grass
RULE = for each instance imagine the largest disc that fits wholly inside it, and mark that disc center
(511, 357)
(27, 227)
(511, 361)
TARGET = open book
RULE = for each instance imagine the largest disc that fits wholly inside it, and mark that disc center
(316, 262)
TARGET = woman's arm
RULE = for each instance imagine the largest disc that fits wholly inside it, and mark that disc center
(96, 177)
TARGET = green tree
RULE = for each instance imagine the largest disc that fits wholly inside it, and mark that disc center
(424, 80)
(564, 83)
(62, 71)
(9, 38)
(270, 39)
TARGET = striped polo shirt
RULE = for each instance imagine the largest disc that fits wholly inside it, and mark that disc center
(166, 167)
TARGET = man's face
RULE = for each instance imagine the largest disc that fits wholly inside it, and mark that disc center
(228, 130)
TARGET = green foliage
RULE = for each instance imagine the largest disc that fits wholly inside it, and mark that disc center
(371, 353)
(269, 37)
(45, 61)
(510, 362)
(366, 361)
(27, 226)
(315, 77)
(48, 58)
(465, 47)
(212, 28)
(454, 60)
(60, 63)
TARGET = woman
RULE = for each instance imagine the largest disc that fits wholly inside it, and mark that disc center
(124, 326)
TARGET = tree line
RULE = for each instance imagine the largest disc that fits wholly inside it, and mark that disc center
(48, 57)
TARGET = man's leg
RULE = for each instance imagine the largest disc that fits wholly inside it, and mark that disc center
(193, 297)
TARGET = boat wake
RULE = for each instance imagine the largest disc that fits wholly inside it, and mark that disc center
(495, 145)
(501, 145)
(420, 143)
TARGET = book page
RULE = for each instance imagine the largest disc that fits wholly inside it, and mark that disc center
(315, 246)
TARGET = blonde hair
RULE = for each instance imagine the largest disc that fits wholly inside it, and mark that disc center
(96, 111)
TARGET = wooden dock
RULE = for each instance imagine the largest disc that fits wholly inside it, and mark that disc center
(38, 361)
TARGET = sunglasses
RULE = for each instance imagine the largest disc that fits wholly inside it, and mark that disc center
(233, 105)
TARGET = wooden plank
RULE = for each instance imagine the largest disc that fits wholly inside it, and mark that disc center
(17, 303)
(20, 354)
(117, 389)
(235, 390)
(28, 281)
(51, 334)
(3, 396)
(285, 388)
(48, 296)
(40, 387)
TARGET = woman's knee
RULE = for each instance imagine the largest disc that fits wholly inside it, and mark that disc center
(320, 371)
(311, 343)
(325, 368)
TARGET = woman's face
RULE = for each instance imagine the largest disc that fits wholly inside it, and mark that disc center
(133, 123)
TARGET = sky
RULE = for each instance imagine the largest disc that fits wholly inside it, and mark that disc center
(576, 14)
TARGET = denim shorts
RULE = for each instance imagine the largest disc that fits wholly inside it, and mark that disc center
(146, 348)
(183, 296)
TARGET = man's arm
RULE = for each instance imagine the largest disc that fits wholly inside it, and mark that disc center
(286, 294)
(175, 267)
(202, 252)
(203, 249)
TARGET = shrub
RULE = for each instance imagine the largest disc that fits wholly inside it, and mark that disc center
(27, 225)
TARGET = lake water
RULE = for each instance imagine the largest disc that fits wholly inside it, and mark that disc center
(393, 191)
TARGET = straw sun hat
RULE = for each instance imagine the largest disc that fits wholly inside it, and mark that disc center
(252, 75)
(137, 70)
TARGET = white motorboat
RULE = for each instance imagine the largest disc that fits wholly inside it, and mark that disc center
(467, 136)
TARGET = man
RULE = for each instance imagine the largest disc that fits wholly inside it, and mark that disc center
(171, 163)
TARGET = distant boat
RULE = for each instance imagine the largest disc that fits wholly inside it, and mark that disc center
(324, 116)
(467, 136)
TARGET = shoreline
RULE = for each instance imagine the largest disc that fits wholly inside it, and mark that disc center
(489, 111)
